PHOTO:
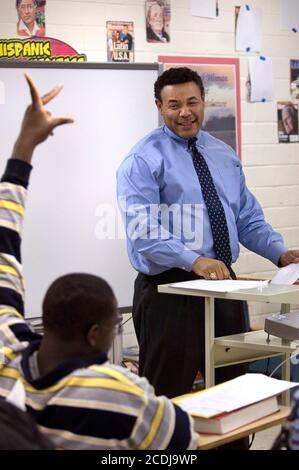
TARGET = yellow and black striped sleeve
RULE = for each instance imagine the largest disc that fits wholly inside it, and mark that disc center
(13, 192)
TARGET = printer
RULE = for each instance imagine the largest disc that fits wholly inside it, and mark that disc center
(285, 326)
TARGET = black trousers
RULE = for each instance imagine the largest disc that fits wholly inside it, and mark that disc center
(171, 335)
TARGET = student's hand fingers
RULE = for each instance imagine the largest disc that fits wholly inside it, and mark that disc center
(36, 100)
(60, 120)
(51, 94)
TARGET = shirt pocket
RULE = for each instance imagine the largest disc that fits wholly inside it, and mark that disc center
(230, 185)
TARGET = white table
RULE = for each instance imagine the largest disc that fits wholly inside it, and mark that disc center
(244, 347)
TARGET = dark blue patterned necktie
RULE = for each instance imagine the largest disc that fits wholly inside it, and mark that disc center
(213, 204)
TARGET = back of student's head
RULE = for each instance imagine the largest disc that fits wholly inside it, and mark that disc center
(75, 302)
(19, 431)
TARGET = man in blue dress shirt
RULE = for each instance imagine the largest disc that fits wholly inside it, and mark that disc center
(170, 239)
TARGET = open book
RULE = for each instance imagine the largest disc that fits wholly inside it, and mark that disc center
(234, 403)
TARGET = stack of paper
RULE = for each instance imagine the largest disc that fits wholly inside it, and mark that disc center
(227, 285)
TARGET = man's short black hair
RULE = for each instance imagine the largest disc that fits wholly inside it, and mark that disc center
(176, 75)
(19, 1)
(75, 302)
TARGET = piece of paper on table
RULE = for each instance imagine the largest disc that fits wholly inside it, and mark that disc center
(249, 29)
(234, 394)
(289, 15)
(287, 275)
(17, 396)
(261, 78)
(218, 286)
(205, 8)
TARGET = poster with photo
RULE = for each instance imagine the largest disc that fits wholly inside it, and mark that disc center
(120, 41)
(31, 18)
(294, 79)
(287, 121)
(157, 18)
(221, 80)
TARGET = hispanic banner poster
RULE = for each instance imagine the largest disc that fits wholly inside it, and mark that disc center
(287, 121)
(120, 41)
(39, 49)
(294, 79)
(27, 38)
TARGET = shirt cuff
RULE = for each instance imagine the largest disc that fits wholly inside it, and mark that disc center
(275, 253)
(187, 258)
(17, 172)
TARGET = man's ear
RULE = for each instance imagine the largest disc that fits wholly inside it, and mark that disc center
(92, 335)
(159, 105)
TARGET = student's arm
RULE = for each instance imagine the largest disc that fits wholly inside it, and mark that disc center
(37, 125)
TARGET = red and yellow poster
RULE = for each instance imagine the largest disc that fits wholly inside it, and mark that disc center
(41, 49)
(27, 39)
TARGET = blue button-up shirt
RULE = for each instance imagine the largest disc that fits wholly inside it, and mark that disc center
(158, 174)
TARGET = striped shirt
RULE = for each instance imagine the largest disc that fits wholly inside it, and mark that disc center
(84, 403)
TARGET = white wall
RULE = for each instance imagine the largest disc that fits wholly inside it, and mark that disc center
(272, 169)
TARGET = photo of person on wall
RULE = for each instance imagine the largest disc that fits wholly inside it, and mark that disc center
(31, 18)
(287, 116)
(157, 21)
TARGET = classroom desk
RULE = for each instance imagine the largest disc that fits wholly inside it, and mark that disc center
(209, 441)
(244, 347)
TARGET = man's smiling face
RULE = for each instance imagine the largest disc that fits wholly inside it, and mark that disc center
(182, 108)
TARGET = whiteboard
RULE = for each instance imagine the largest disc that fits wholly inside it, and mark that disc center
(72, 222)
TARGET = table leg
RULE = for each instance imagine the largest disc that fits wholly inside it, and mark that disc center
(285, 308)
(209, 342)
(286, 374)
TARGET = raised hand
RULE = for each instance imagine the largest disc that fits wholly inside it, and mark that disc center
(37, 123)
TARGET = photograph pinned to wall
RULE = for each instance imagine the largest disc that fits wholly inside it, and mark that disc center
(289, 15)
(261, 79)
(157, 18)
(120, 41)
(287, 121)
(31, 18)
(248, 28)
(205, 8)
(221, 80)
(294, 79)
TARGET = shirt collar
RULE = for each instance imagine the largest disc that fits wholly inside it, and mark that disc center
(200, 137)
(24, 27)
(59, 372)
